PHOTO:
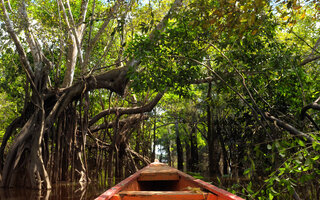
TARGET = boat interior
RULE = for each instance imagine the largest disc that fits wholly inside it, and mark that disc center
(164, 183)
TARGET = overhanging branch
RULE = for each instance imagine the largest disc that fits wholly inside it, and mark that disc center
(133, 119)
(134, 110)
(309, 59)
(304, 110)
(13, 35)
(289, 128)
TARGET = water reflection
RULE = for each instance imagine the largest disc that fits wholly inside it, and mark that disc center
(60, 191)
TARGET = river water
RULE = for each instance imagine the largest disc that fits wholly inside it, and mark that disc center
(60, 191)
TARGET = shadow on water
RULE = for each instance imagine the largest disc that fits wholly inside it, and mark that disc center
(59, 191)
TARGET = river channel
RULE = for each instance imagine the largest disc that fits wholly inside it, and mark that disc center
(60, 191)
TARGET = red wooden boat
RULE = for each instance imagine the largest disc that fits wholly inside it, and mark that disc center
(158, 181)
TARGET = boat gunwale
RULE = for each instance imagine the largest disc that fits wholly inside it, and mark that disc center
(211, 188)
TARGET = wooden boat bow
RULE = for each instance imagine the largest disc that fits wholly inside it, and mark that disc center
(158, 181)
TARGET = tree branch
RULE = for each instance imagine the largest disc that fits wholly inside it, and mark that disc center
(135, 110)
(36, 52)
(256, 108)
(225, 82)
(22, 55)
(9, 131)
(13, 35)
(84, 9)
(314, 48)
(96, 38)
(79, 32)
(142, 158)
(176, 4)
(133, 119)
(91, 21)
(133, 63)
(76, 36)
(113, 80)
(313, 105)
(289, 128)
(309, 59)
(313, 122)
(204, 80)
(99, 142)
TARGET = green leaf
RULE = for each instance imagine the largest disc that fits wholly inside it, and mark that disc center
(246, 171)
(269, 147)
(316, 157)
(301, 143)
(271, 196)
(273, 191)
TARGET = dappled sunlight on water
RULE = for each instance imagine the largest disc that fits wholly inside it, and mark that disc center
(59, 191)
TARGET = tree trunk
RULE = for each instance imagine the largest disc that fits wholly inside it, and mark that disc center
(9, 131)
(32, 134)
(213, 151)
(169, 156)
(188, 154)
(212, 139)
(224, 155)
(194, 161)
(153, 156)
(167, 147)
(137, 147)
(179, 147)
(24, 165)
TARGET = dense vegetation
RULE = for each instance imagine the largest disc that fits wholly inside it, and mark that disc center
(92, 90)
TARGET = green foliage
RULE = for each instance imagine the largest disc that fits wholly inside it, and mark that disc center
(263, 44)
(296, 165)
(8, 111)
(168, 59)
(167, 62)
(11, 75)
(196, 175)
(12, 83)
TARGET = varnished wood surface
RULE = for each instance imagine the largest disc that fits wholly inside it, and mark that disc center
(156, 174)
(159, 172)
(162, 195)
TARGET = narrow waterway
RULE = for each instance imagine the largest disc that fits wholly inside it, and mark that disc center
(60, 191)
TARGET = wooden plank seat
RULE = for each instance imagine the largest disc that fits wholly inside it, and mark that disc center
(162, 195)
(159, 173)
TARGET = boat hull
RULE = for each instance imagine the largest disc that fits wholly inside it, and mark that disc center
(158, 181)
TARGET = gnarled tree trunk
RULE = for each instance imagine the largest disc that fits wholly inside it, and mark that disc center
(48, 113)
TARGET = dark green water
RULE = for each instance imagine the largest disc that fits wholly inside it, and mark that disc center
(60, 191)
